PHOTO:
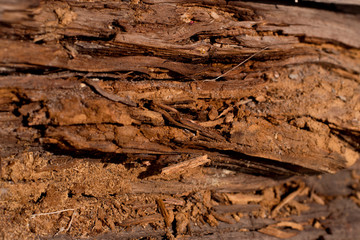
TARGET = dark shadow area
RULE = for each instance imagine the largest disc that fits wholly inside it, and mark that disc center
(352, 137)
(30, 69)
(230, 160)
(85, 154)
(258, 166)
(152, 170)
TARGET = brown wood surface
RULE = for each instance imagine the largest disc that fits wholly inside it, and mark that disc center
(135, 88)
(81, 77)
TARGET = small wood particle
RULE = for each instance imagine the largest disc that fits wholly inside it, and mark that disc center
(213, 113)
(211, 220)
(110, 223)
(212, 123)
(292, 225)
(236, 217)
(182, 222)
(222, 218)
(97, 226)
(317, 224)
(242, 199)
(272, 231)
(317, 199)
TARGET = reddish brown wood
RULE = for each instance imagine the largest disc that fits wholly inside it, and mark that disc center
(132, 83)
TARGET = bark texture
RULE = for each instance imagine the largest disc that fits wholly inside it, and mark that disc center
(137, 79)
(166, 86)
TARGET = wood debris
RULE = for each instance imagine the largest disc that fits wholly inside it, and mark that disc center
(292, 225)
(122, 89)
(110, 96)
(316, 224)
(316, 198)
(185, 165)
(222, 218)
(182, 222)
(164, 212)
(211, 220)
(242, 199)
(213, 113)
(212, 123)
(273, 231)
(287, 199)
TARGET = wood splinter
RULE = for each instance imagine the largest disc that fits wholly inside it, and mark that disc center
(164, 212)
(110, 96)
(287, 199)
(183, 166)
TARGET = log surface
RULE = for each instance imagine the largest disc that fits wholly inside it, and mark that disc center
(180, 101)
(137, 79)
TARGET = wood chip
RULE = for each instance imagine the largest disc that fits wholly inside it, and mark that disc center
(229, 118)
(222, 218)
(236, 217)
(260, 98)
(212, 123)
(242, 199)
(183, 166)
(101, 214)
(225, 111)
(300, 207)
(272, 231)
(164, 212)
(287, 199)
(211, 220)
(213, 113)
(317, 224)
(242, 102)
(316, 198)
(174, 201)
(292, 225)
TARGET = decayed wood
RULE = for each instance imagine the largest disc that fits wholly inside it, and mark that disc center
(131, 79)
(185, 165)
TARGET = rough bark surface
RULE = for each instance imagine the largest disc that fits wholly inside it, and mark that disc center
(163, 87)
(138, 79)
